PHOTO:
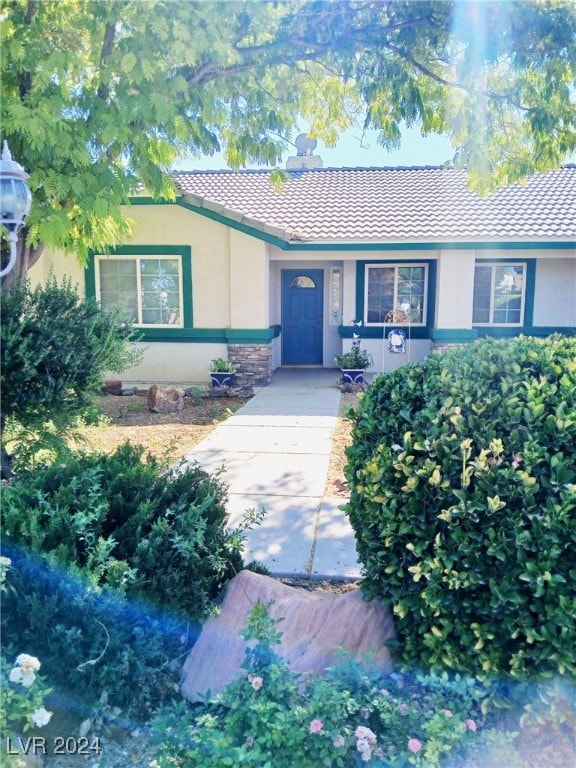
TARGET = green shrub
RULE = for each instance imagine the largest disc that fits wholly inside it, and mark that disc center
(463, 498)
(55, 348)
(107, 551)
(92, 641)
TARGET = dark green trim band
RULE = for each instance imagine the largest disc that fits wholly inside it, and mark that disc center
(249, 336)
(210, 335)
(453, 335)
(247, 230)
(501, 332)
(441, 245)
(378, 331)
(151, 201)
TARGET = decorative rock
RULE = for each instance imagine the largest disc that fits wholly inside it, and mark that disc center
(112, 387)
(128, 391)
(165, 399)
(316, 624)
(217, 392)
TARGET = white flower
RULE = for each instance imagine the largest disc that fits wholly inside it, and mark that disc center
(28, 663)
(27, 678)
(41, 717)
(15, 675)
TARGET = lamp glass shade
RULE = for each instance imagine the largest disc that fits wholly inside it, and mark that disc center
(15, 200)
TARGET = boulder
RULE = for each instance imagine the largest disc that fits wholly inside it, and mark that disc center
(165, 399)
(316, 625)
(112, 387)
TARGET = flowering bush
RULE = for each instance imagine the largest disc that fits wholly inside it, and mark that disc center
(22, 691)
(349, 717)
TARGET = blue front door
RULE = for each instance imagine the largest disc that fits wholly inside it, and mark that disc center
(302, 311)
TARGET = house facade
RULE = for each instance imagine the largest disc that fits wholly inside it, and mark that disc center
(273, 276)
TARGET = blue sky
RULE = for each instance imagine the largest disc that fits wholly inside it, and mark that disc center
(351, 152)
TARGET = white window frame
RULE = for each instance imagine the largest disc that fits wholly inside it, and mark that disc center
(396, 266)
(493, 265)
(137, 258)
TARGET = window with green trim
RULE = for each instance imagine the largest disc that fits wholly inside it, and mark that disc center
(148, 288)
(499, 294)
(396, 293)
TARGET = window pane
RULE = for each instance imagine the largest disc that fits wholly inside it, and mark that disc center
(410, 298)
(380, 293)
(508, 294)
(118, 286)
(160, 291)
(302, 282)
(482, 291)
(336, 297)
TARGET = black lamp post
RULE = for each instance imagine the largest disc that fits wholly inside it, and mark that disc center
(15, 201)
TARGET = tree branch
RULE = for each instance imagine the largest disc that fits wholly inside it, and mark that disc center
(107, 48)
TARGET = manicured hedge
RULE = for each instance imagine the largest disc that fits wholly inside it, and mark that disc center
(463, 501)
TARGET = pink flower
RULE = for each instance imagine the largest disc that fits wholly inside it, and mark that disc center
(365, 734)
(256, 683)
(471, 725)
(339, 742)
(414, 745)
(316, 726)
(447, 713)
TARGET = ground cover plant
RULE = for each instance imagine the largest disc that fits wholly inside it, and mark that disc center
(115, 562)
(272, 717)
(463, 496)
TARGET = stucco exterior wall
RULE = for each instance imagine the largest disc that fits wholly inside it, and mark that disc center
(60, 264)
(555, 292)
(455, 288)
(249, 287)
(210, 245)
(169, 363)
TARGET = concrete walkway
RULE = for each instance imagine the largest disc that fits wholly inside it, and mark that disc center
(275, 451)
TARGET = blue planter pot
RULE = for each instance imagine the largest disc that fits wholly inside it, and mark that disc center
(352, 375)
(222, 379)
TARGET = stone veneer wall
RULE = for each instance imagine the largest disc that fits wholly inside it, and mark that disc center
(253, 363)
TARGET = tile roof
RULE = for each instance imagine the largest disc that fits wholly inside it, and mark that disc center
(387, 204)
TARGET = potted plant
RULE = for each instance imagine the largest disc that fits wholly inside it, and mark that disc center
(354, 362)
(222, 372)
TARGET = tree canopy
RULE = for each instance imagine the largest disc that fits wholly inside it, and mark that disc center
(99, 97)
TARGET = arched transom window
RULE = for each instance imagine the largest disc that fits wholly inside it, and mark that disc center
(302, 281)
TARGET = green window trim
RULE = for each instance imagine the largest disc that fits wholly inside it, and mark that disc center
(185, 254)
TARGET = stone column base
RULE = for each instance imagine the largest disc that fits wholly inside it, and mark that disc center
(253, 364)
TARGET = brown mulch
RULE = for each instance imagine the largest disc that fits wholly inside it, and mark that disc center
(341, 438)
(164, 435)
